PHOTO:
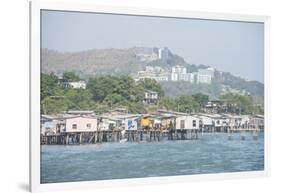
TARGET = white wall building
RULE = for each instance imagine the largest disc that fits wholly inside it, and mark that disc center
(78, 85)
(178, 73)
(159, 53)
(49, 127)
(179, 69)
(205, 75)
(80, 124)
(150, 97)
(161, 77)
(174, 76)
(187, 122)
(189, 77)
(207, 121)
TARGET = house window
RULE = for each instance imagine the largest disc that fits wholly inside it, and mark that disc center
(193, 123)
(218, 122)
(182, 124)
(89, 125)
(74, 126)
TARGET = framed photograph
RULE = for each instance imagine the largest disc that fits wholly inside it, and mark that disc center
(129, 96)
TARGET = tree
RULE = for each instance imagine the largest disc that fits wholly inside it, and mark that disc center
(113, 99)
(48, 84)
(136, 107)
(168, 103)
(113, 91)
(70, 77)
(151, 84)
(53, 105)
(201, 98)
(102, 86)
(240, 104)
(79, 99)
(186, 104)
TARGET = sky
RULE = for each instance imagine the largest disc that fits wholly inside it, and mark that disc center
(235, 47)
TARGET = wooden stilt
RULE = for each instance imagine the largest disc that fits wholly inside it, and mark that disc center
(80, 138)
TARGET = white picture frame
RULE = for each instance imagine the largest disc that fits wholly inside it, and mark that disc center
(36, 6)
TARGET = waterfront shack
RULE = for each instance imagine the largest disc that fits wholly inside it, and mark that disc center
(154, 127)
(131, 122)
(220, 121)
(188, 122)
(126, 121)
(238, 122)
(111, 127)
(109, 123)
(131, 125)
(187, 127)
(78, 124)
(245, 120)
(48, 125)
(168, 121)
(145, 122)
(127, 124)
(257, 122)
(208, 123)
(76, 130)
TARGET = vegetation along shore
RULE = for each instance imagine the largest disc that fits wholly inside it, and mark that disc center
(119, 109)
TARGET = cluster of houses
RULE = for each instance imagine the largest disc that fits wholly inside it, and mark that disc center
(118, 124)
(176, 73)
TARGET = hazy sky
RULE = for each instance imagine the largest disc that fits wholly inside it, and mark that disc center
(235, 47)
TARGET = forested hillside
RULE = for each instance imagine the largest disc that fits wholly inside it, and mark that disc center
(116, 62)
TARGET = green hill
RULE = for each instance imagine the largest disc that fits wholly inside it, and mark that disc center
(111, 61)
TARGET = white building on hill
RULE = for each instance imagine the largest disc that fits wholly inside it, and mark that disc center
(178, 73)
(78, 84)
(205, 75)
(150, 97)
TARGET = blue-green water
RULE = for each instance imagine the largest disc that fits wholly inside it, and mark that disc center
(212, 153)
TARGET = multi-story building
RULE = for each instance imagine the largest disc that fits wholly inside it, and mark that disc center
(179, 69)
(174, 76)
(162, 77)
(205, 75)
(189, 77)
(159, 53)
(165, 53)
(178, 73)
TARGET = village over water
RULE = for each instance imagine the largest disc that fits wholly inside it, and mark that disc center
(86, 127)
(134, 108)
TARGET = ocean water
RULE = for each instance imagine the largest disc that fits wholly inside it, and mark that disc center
(211, 153)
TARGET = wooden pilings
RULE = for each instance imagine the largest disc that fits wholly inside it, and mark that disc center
(151, 135)
(81, 138)
(243, 132)
(141, 135)
(183, 134)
